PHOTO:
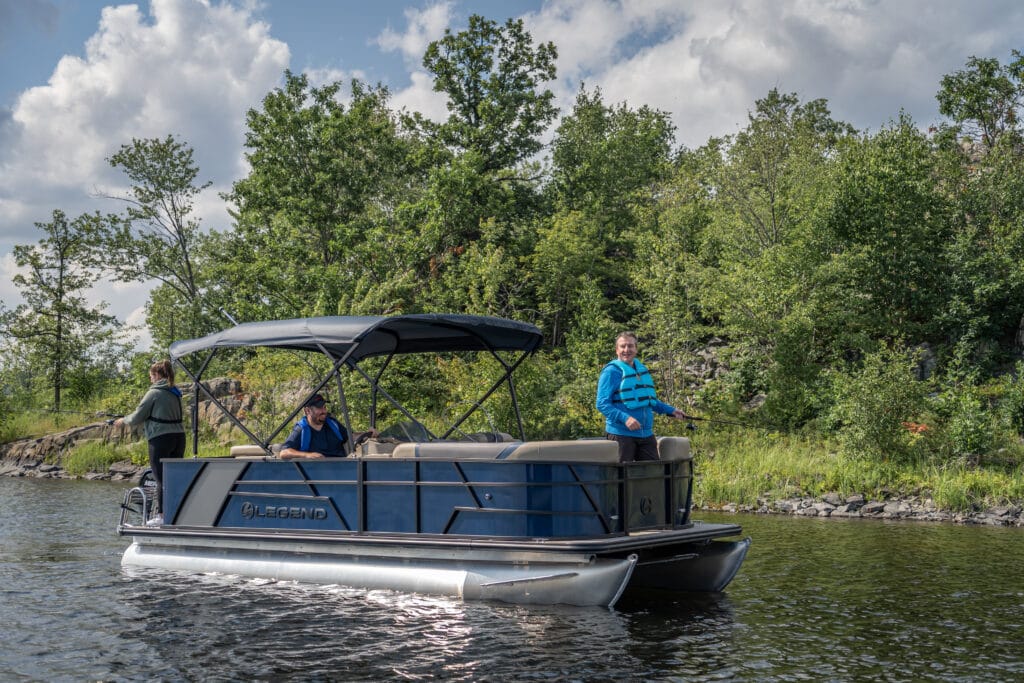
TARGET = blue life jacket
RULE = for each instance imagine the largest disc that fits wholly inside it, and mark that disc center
(307, 432)
(636, 390)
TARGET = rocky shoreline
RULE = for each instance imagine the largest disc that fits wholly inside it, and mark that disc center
(857, 506)
(42, 457)
(118, 471)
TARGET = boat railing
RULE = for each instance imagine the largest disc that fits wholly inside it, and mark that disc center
(541, 488)
(137, 506)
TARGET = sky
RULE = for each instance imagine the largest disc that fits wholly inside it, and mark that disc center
(80, 78)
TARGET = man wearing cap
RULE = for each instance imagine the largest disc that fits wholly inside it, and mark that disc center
(318, 435)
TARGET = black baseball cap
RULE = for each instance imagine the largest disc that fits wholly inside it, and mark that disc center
(316, 401)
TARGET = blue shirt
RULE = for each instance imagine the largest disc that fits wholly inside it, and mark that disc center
(616, 414)
(324, 441)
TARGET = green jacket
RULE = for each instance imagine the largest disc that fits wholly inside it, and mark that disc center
(160, 410)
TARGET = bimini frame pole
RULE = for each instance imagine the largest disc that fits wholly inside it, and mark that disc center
(194, 411)
(323, 382)
(391, 399)
(195, 406)
(507, 377)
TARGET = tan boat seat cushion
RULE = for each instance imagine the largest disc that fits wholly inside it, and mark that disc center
(585, 450)
(251, 451)
(451, 449)
(674, 448)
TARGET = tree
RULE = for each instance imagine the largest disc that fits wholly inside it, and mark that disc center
(568, 261)
(984, 99)
(491, 75)
(890, 222)
(608, 163)
(608, 160)
(766, 178)
(482, 178)
(55, 325)
(985, 184)
(156, 239)
(752, 203)
(320, 229)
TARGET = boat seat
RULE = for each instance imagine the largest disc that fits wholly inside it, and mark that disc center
(585, 450)
(674, 448)
(476, 450)
(376, 448)
(251, 451)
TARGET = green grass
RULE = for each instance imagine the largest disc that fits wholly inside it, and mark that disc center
(24, 425)
(98, 456)
(744, 466)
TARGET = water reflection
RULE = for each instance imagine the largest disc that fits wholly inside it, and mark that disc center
(261, 629)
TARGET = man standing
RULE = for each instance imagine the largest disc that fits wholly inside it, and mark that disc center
(318, 435)
(626, 398)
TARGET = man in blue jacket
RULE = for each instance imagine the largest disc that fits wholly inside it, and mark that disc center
(626, 398)
(318, 435)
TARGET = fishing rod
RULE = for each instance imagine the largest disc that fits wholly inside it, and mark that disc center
(729, 422)
(97, 413)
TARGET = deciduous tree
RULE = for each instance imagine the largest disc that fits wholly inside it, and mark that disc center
(56, 326)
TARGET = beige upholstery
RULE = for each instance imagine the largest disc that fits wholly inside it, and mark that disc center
(674, 448)
(248, 452)
(451, 449)
(253, 451)
(586, 450)
(374, 448)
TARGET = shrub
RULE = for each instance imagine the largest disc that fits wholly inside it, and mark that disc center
(1012, 402)
(98, 456)
(872, 404)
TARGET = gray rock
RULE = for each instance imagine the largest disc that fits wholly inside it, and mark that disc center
(786, 505)
(824, 509)
(123, 467)
(873, 508)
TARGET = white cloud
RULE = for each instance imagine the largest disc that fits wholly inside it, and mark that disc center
(9, 295)
(189, 69)
(706, 62)
(424, 26)
(420, 96)
(136, 321)
(327, 75)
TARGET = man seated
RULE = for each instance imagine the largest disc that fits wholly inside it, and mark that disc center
(318, 434)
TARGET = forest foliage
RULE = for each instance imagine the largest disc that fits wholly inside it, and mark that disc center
(866, 286)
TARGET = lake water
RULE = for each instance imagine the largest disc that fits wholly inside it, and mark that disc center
(817, 600)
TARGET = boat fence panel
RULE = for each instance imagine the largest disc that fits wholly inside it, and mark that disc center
(434, 495)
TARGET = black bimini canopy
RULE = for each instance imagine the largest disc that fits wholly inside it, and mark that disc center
(364, 336)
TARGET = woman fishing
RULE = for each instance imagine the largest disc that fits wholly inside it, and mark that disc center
(160, 410)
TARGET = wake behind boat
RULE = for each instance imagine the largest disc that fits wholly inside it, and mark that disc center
(478, 515)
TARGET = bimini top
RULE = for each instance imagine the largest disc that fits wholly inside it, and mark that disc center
(373, 335)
